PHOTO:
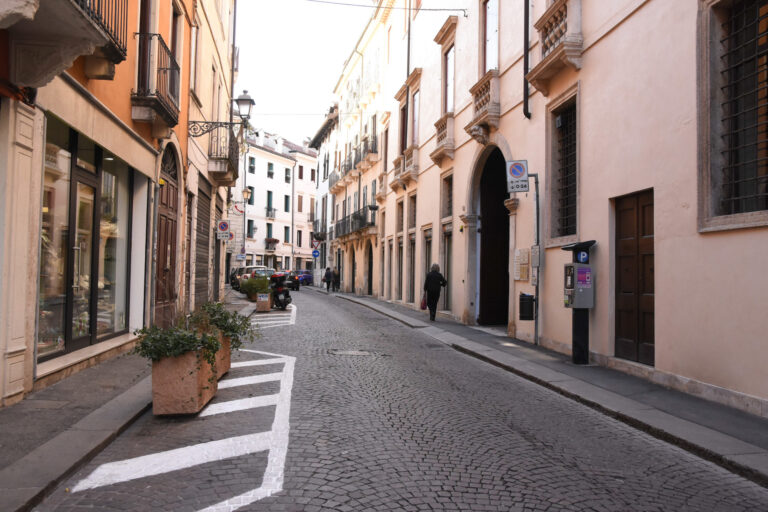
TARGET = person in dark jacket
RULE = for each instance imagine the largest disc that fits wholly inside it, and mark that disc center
(328, 279)
(432, 285)
(336, 279)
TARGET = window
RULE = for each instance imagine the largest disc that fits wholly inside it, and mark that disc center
(287, 175)
(251, 228)
(287, 234)
(269, 199)
(287, 203)
(415, 119)
(300, 205)
(564, 177)
(490, 19)
(298, 238)
(269, 230)
(403, 128)
(251, 197)
(270, 170)
(365, 196)
(448, 73)
(740, 184)
(386, 149)
(412, 212)
(447, 197)
(195, 41)
(427, 250)
(312, 175)
(301, 172)
(251, 165)
(373, 192)
(399, 216)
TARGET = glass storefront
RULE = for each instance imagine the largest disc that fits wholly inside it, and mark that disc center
(84, 264)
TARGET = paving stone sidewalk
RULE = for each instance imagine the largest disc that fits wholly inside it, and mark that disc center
(729, 437)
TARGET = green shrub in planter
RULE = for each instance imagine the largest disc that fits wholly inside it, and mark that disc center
(156, 343)
(254, 286)
(231, 324)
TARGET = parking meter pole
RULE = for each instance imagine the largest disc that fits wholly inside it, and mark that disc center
(580, 331)
(580, 316)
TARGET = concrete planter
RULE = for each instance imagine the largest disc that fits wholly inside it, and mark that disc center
(182, 384)
(223, 357)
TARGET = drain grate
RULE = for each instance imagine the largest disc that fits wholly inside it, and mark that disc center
(358, 353)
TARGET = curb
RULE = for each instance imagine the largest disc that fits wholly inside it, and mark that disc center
(25, 483)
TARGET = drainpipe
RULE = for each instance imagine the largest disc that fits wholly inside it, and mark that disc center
(526, 39)
(360, 130)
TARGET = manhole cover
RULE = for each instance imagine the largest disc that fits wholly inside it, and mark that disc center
(337, 352)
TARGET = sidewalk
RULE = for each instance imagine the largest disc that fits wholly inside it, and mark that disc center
(731, 438)
(52, 432)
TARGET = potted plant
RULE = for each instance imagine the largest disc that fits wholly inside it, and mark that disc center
(183, 368)
(232, 328)
(252, 288)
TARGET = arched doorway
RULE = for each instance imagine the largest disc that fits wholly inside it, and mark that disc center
(370, 268)
(353, 268)
(493, 227)
(167, 220)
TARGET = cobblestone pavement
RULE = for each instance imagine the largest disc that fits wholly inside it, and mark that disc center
(385, 418)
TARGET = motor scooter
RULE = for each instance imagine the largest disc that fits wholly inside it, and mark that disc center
(281, 297)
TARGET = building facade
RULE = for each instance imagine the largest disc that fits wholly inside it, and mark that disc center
(451, 98)
(275, 223)
(95, 152)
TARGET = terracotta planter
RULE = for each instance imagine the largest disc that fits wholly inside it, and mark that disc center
(253, 297)
(223, 357)
(182, 384)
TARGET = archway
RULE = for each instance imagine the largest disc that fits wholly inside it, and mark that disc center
(369, 253)
(493, 228)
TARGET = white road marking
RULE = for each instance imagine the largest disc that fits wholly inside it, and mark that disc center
(239, 405)
(257, 362)
(246, 381)
(173, 460)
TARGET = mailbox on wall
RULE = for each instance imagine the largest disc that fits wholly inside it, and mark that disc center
(578, 288)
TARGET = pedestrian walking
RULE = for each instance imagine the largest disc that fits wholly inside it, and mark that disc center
(432, 285)
(336, 279)
(328, 279)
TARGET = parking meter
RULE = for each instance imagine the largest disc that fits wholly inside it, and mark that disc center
(579, 296)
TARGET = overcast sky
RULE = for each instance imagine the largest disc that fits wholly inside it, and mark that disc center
(291, 56)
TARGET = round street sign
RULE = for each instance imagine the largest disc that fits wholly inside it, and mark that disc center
(315, 253)
(223, 226)
(582, 256)
(517, 170)
(231, 236)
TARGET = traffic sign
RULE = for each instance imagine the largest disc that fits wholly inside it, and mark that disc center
(517, 176)
(315, 244)
(231, 236)
(582, 257)
(315, 253)
(240, 257)
(223, 226)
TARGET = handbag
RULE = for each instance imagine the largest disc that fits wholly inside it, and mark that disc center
(423, 302)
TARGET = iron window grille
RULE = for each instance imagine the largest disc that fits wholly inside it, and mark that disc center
(744, 178)
(565, 176)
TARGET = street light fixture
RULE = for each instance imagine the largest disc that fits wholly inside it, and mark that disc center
(244, 106)
(246, 198)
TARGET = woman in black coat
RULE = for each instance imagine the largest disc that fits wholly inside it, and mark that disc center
(328, 278)
(432, 285)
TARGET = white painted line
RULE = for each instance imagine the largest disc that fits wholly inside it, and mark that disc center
(273, 326)
(257, 362)
(239, 405)
(275, 472)
(173, 460)
(260, 352)
(245, 381)
(286, 321)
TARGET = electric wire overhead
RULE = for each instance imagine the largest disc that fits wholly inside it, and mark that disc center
(433, 9)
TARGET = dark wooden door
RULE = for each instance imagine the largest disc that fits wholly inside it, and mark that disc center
(202, 246)
(635, 278)
(167, 220)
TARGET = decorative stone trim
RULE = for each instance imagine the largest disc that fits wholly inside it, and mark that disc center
(512, 205)
(561, 42)
(444, 143)
(487, 104)
(447, 31)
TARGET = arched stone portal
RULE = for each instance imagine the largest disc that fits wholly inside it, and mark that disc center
(369, 258)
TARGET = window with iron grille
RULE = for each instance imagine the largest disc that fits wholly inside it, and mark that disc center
(743, 180)
(564, 176)
(251, 165)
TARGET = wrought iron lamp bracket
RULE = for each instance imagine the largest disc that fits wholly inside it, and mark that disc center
(198, 128)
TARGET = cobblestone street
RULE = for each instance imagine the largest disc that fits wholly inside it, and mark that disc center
(383, 417)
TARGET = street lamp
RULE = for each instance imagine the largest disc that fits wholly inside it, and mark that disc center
(246, 198)
(244, 106)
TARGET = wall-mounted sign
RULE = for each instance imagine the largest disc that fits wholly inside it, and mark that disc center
(517, 176)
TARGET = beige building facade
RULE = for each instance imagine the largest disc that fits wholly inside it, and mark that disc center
(653, 147)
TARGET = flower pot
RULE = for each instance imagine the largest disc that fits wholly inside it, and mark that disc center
(182, 384)
(253, 297)
(223, 357)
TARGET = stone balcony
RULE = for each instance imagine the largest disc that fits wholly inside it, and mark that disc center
(381, 193)
(444, 143)
(398, 166)
(410, 165)
(560, 40)
(486, 100)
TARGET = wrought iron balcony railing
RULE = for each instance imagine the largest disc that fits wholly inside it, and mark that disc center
(158, 78)
(271, 212)
(112, 17)
(361, 219)
(222, 145)
(270, 243)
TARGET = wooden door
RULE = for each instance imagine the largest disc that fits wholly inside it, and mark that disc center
(635, 278)
(167, 220)
(202, 246)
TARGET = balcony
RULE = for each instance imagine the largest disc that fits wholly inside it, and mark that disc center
(444, 144)
(360, 223)
(335, 183)
(45, 37)
(156, 99)
(487, 107)
(398, 166)
(561, 42)
(270, 212)
(318, 230)
(381, 193)
(223, 151)
(410, 165)
(270, 244)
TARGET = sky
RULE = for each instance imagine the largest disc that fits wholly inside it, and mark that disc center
(291, 56)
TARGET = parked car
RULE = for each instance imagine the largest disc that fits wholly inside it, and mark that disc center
(234, 279)
(305, 277)
(293, 280)
(249, 272)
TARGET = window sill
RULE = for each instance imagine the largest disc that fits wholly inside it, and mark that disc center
(560, 241)
(747, 220)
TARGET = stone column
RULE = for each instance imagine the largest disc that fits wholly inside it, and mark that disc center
(512, 205)
(468, 316)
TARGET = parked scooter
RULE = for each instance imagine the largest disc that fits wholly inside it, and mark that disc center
(281, 297)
